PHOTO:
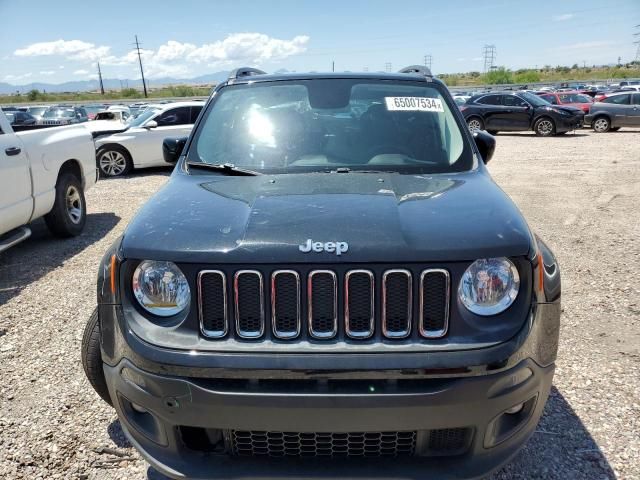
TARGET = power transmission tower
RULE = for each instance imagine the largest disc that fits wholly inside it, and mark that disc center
(100, 80)
(387, 66)
(489, 54)
(144, 84)
(637, 34)
(428, 60)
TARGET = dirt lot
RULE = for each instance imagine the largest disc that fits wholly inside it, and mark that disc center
(580, 192)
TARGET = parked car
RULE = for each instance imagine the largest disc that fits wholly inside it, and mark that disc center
(63, 116)
(43, 173)
(248, 310)
(140, 145)
(20, 118)
(519, 111)
(37, 111)
(92, 110)
(113, 116)
(616, 111)
(461, 99)
(574, 99)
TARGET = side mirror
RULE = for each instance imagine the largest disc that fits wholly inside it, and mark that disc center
(486, 143)
(172, 148)
(151, 124)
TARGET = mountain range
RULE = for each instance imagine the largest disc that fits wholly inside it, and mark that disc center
(109, 84)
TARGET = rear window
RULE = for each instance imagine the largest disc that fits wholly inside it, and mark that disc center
(319, 125)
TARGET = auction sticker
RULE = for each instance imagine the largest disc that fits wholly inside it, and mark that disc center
(414, 104)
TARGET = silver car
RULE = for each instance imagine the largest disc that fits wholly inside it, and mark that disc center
(613, 112)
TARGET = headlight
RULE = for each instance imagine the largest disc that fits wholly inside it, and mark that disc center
(489, 286)
(161, 288)
(562, 112)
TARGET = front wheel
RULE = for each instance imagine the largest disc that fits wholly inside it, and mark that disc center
(475, 123)
(114, 161)
(69, 212)
(601, 125)
(544, 127)
(92, 358)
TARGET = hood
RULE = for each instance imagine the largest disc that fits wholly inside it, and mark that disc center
(383, 217)
(568, 108)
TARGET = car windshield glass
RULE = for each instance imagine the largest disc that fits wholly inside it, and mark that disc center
(59, 112)
(37, 110)
(534, 100)
(9, 116)
(324, 124)
(143, 117)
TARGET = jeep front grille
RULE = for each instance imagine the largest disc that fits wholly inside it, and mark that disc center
(321, 305)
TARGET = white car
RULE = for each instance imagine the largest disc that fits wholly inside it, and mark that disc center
(140, 145)
(44, 173)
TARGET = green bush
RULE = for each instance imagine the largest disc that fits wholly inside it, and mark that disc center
(498, 76)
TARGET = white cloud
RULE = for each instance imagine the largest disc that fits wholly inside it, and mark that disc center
(81, 72)
(46, 73)
(174, 50)
(71, 49)
(14, 78)
(254, 47)
(562, 18)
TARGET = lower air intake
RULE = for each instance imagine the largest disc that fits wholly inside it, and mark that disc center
(316, 444)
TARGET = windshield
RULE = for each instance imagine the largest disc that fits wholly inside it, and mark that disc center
(59, 112)
(37, 110)
(323, 124)
(534, 100)
(143, 117)
(10, 116)
(575, 98)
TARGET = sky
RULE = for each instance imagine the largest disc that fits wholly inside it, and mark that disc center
(54, 42)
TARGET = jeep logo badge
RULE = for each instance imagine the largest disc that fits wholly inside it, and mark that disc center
(332, 247)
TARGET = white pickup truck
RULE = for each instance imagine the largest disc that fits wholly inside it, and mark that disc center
(44, 173)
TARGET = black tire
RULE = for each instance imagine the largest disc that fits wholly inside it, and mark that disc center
(113, 161)
(492, 132)
(69, 212)
(601, 124)
(475, 123)
(544, 127)
(92, 358)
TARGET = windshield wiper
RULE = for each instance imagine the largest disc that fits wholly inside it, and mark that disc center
(224, 168)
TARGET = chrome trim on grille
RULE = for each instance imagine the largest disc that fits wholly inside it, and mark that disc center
(244, 334)
(443, 331)
(276, 333)
(205, 332)
(334, 331)
(407, 332)
(359, 335)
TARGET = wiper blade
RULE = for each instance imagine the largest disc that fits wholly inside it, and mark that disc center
(224, 168)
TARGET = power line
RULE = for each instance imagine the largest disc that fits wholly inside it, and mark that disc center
(387, 66)
(489, 54)
(144, 84)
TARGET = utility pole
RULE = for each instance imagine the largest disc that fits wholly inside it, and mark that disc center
(489, 54)
(100, 80)
(144, 85)
(637, 42)
(333, 66)
(428, 60)
(387, 66)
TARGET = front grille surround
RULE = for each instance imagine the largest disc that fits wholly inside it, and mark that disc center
(237, 288)
(284, 334)
(387, 331)
(349, 325)
(203, 315)
(444, 327)
(314, 331)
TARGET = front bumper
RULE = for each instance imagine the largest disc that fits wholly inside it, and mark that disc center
(476, 404)
(184, 389)
(570, 123)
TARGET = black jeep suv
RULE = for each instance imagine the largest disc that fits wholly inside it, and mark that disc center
(519, 111)
(330, 285)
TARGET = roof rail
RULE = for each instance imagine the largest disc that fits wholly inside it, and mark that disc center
(245, 72)
(419, 69)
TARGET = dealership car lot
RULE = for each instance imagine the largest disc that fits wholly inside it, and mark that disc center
(578, 191)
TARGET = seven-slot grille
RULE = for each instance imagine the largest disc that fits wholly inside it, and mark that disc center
(330, 302)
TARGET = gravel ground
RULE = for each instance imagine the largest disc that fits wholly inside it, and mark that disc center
(581, 192)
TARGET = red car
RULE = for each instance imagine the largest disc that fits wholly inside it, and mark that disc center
(574, 99)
